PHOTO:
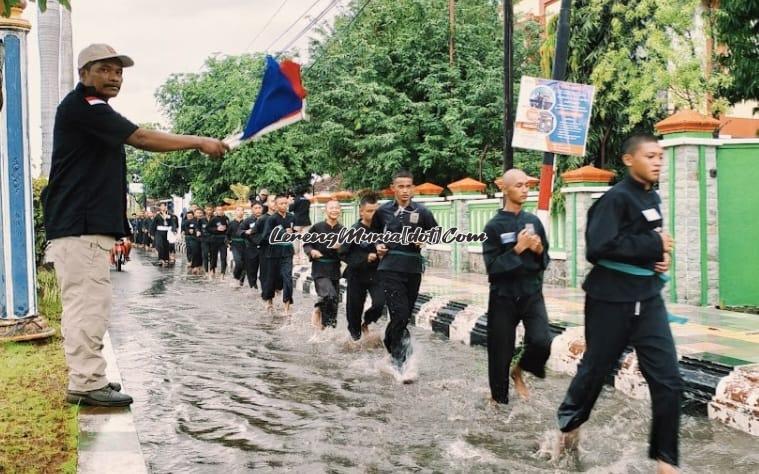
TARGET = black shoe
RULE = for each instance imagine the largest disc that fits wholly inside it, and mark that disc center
(105, 397)
(115, 386)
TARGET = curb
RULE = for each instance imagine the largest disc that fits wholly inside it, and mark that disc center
(718, 391)
(108, 440)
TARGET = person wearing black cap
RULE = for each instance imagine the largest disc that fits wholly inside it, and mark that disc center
(85, 210)
(630, 254)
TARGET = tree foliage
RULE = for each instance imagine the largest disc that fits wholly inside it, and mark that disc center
(640, 56)
(737, 31)
(382, 96)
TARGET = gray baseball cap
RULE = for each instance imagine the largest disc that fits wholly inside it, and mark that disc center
(99, 52)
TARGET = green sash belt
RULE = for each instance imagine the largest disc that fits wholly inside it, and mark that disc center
(631, 269)
(289, 244)
(238, 240)
(326, 260)
(405, 254)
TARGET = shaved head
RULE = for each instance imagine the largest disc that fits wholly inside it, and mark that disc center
(513, 176)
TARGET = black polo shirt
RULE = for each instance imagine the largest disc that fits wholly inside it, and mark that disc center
(86, 193)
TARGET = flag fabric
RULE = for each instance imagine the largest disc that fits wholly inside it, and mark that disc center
(280, 102)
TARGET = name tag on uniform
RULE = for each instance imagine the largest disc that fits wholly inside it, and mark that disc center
(414, 218)
(651, 214)
(508, 237)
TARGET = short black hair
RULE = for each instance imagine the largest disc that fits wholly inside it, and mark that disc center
(633, 142)
(367, 197)
(402, 174)
(256, 202)
(280, 195)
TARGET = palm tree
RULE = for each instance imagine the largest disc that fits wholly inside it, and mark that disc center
(49, 38)
(67, 54)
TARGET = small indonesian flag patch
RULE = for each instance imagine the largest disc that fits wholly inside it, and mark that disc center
(94, 100)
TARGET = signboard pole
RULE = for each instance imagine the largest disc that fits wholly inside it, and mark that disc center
(559, 73)
(508, 85)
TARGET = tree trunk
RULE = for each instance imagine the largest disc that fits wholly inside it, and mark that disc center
(67, 55)
(49, 36)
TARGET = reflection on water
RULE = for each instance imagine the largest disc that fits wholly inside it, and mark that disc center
(222, 386)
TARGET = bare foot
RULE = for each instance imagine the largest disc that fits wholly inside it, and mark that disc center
(665, 468)
(287, 309)
(316, 319)
(270, 306)
(365, 328)
(519, 385)
(569, 441)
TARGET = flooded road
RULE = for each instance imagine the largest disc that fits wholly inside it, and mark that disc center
(220, 385)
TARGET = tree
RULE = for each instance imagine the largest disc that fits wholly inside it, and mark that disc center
(385, 95)
(49, 37)
(216, 102)
(639, 55)
(737, 29)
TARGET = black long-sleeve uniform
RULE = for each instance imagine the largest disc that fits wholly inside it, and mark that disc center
(162, 224)
(203, 237)
(326, 272)
(278, 258)
(252, 250)
(300, 208)
(400, 272)
(361, 277)
(516, 294)
(217, 242)
(623, 308)
(190, 229)
(237, 245)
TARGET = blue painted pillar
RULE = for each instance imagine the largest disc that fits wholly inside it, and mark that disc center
(18, 297)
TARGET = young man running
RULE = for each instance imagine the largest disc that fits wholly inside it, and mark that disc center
(623, 304)
(325, 266)
(516, 255)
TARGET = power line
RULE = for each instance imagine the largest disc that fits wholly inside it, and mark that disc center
(260, 32)
(310, 25)
(292, 25)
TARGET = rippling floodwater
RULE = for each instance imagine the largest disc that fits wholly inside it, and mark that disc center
(222, 386)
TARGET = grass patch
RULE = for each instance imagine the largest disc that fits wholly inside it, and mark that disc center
(38, 429)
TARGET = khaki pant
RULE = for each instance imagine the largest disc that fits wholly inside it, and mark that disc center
(83, 270)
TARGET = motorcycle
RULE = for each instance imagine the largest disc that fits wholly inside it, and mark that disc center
(120, 253)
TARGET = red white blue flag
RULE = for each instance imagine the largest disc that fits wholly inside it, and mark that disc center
(280, 102)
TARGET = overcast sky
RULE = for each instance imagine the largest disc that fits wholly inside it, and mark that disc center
(170, 36)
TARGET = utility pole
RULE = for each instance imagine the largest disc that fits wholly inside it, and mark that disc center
(559, 73)
(452, 32)
(508, 84)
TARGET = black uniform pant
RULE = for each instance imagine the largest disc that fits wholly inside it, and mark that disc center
(194, 252)
(504, 314)
(204, 253)
(279, 275)
(359, 284)
(162, 245)
(609, 328)
(252, 262)
(401, 290)
(238, 253)
(217, 247)
(328, 291)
